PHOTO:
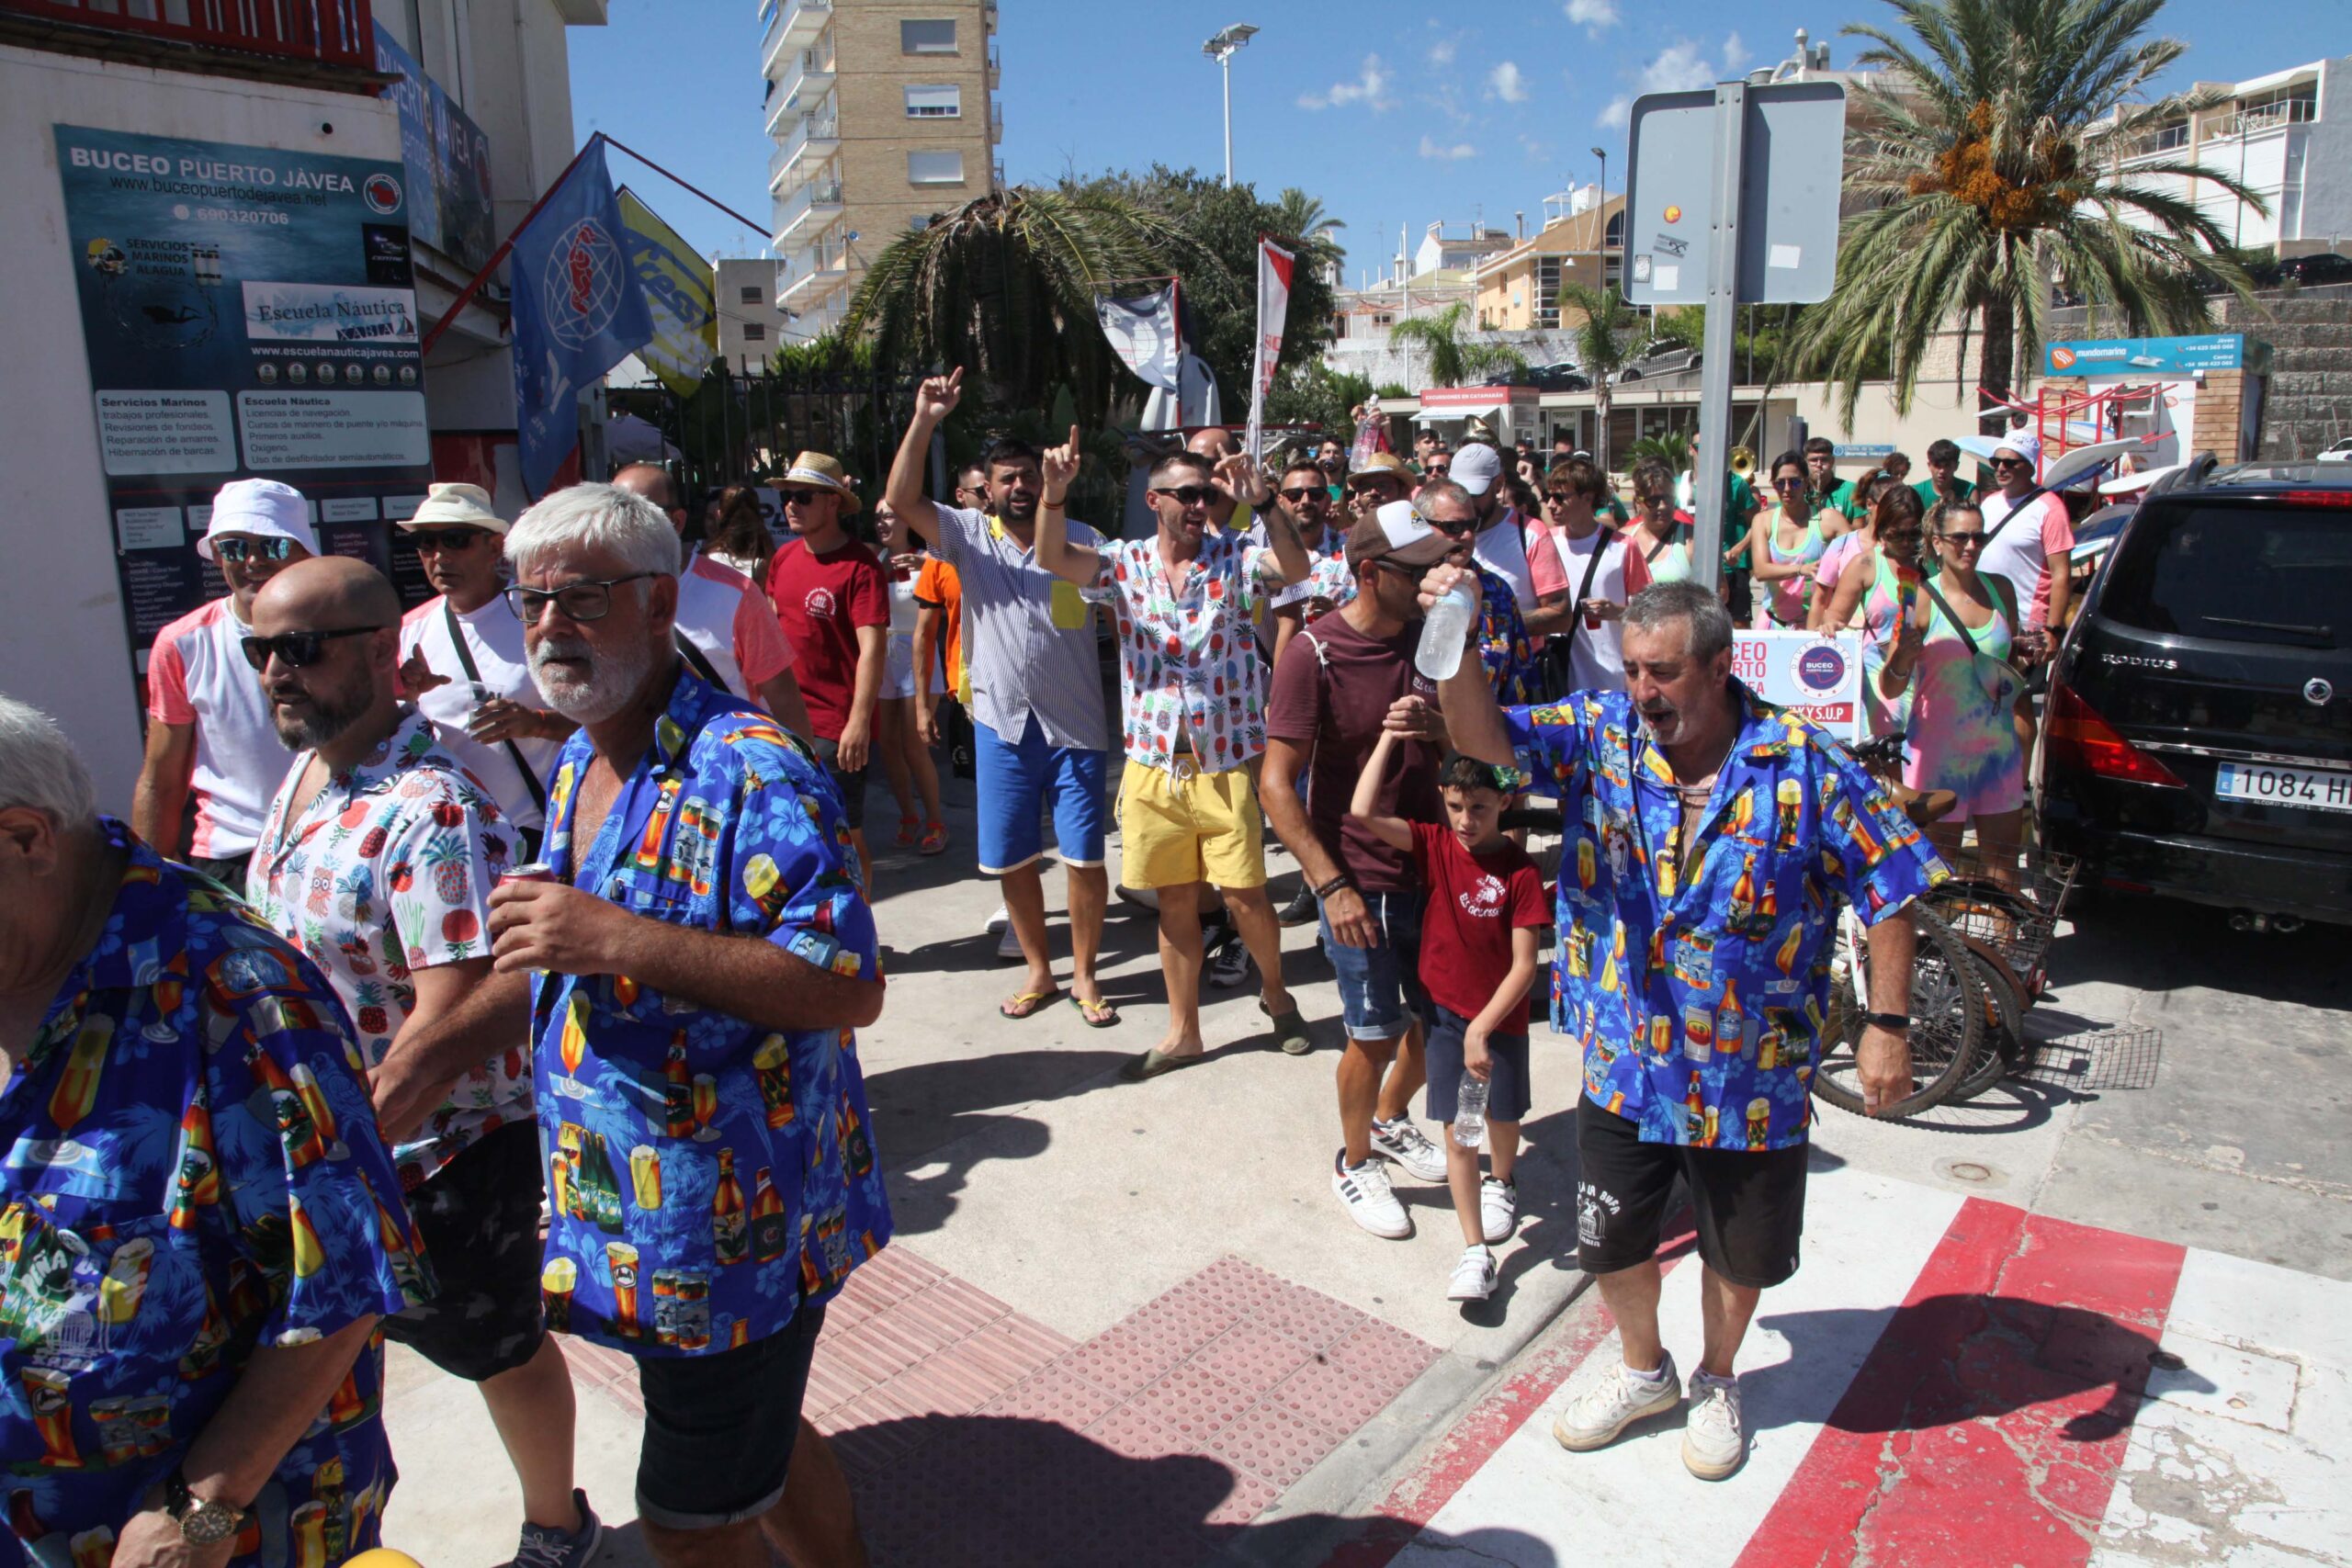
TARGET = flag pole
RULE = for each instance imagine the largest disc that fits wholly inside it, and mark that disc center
(756, 227)
(465, 295)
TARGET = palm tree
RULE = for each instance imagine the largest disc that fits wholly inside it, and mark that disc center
(1604, 344)
(1453, 357)
(1005, 286)
(1990, 165)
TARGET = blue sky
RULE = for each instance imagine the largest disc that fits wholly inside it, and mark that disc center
(1393, 111)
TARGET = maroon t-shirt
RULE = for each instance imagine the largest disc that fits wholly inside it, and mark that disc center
(820, 601)
(1476, 902)
(1332, 689)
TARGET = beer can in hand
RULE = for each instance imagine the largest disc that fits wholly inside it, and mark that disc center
(534, 871)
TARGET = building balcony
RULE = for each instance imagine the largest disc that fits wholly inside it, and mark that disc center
(996, 67)
(338, 33)
(811, 142)
(815, 274)
(796, 25)
(996, 122)
(815, 202)
(805, 78)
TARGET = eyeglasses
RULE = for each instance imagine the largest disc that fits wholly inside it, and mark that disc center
(237, 551)
(448, 539)
(591, 600)
(1188, 495)
(1970, 541)
(296, 650)
(1305, 492)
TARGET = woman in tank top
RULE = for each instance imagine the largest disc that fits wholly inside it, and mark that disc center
(1881, 579)
(1783, 543)
(1660, 533)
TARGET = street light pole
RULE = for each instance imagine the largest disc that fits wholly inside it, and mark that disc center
(1221, 49)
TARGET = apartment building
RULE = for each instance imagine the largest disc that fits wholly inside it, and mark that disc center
(2287, 135)
(750, 322)
(884, 114)
(1582, 242)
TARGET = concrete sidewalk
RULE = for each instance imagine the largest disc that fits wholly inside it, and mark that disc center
(1172, 1248)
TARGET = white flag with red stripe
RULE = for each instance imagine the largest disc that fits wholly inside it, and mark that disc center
(1274, 308)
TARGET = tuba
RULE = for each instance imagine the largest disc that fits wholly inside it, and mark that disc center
(1743, 461)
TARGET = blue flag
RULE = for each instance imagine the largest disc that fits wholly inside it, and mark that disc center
(579, 310)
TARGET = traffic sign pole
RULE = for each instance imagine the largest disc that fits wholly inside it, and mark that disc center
(1711, 473)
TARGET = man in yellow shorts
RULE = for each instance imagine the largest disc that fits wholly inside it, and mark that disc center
(1184, 601)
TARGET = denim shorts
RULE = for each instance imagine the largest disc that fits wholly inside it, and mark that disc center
(1380, 988)
(1508, 1094)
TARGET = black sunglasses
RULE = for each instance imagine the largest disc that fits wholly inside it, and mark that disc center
(1305, 492)
(802, 496)
(1440, 469)
(296, 650)
(448, 539)
(1788, 487)
(238, 551)
(591, 600)
(2012, 463)
(1452, 527)
(1963, 539)
(1188, 495)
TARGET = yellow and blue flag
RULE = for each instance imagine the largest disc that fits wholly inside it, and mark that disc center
(681, 293)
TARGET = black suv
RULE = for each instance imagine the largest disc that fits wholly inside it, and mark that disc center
(2198, 738)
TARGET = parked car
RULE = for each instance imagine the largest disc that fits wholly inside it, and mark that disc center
(2341, 452)
(2196, 741)
(2320, 266)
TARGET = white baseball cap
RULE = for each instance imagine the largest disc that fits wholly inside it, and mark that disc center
(1475, 468)
(263, 508)
(454, 506)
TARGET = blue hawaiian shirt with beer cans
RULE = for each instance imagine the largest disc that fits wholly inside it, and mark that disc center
(189, 1172)
(706, 1176)
(1697, 975)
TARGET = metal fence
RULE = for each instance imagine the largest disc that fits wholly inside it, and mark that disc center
(745, 427)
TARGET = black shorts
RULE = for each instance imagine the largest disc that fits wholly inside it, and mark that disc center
(851, 787)
(1750, 1206)
(480, 1218)
(718, 1429)
(1508, 1095)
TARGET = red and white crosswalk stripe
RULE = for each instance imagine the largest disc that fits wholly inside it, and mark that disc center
(1946, 1379)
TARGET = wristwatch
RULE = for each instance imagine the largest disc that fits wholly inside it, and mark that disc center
(1893, 1022)
(202, 1522)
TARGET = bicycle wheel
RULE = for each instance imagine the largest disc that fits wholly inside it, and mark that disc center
(1948, 1021)
(2004, 1049)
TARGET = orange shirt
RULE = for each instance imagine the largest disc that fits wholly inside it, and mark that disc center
(936, 583)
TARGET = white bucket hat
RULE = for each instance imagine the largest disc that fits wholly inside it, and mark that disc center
(457, 506)
(264, 509)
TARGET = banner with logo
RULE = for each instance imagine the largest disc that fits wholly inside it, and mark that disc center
(245, 312)
(447, 159)
(1821, 677)
(681, 293)
(579, 310)
(1274, 309)
(1143, 331)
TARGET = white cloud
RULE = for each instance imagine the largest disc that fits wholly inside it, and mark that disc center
(1592, 14)
(1619, 110)
(1734, 54)
(1678, 69)
(1455, 153)
(1442, 52)
(1507, 83)
(1370, 88)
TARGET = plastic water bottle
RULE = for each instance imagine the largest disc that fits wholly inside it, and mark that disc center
(1445, 631)
(1470, 1112)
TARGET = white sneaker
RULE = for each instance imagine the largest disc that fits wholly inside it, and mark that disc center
(1498, 1208)
(1009, 944)
(1371, 1201)
(1473, 1277)
(1714, 1438)
(1000, 921)
(1613, 1403)
(1404, 1141)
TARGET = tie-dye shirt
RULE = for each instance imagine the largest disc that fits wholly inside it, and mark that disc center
(192, 1171)
(1700, 983)
(707, 1175)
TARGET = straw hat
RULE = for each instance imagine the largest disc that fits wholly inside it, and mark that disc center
(455, 506)
(822, 472)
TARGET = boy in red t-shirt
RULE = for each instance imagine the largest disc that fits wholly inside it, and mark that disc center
(1480, 933)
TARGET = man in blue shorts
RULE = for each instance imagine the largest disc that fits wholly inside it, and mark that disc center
(1040, 735)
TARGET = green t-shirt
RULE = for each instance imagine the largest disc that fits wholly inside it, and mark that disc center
(1739, 505)
(1926, 491)
(1840, 499)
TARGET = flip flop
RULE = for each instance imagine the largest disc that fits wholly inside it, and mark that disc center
(935, 839)
(907, 832)
(1098, 1014)
(1155, 1062)
(1290, 1029)
(1028, 1004)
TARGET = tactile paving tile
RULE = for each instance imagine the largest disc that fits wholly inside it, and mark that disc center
(1272, 1444)
(1332, 1397)
(1054, 1393)
(1135, 1433)
(1195, 1404)
(1309, 1317)
(1389, 1357)
(1253, 1356)
(1125, 1362)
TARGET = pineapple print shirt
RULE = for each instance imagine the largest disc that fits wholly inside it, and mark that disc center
(1188, 653)
(191, 1171)
(705, 1176)
(388, 871)
(1697, 974)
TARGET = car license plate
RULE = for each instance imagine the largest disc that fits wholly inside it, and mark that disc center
(2263, 784)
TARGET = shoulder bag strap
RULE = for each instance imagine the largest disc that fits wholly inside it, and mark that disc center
(1602, 541)
(2036, 494)
(466, 662)
(1958, 625)
(699, 661)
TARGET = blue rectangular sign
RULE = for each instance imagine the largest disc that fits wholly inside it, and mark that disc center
(2131, 357)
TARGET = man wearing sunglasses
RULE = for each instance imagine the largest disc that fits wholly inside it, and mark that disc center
(462, 660)
(704, 901)
(1189, 672)
(376, 859)
(1378, 480)
(1305, 501)
(208, 734)
(2027, 542)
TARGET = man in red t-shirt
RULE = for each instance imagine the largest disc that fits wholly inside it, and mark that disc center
(835, 605)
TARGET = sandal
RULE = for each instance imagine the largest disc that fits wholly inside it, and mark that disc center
(1154, 1061)
(1028, 1004)
(1098, 1013)
(1290, 1029)
(906, 832)
(935, 839)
